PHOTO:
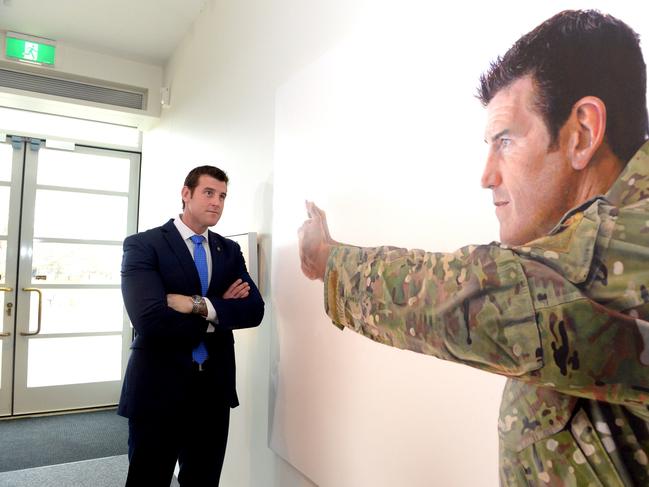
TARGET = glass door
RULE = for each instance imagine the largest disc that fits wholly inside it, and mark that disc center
(70, 331)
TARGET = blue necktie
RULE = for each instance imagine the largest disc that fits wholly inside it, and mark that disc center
(199, 354)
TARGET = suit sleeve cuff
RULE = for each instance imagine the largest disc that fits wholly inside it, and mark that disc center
(331, 289)
(211, 316)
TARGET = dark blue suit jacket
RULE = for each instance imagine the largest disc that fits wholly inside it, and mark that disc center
(156, 263)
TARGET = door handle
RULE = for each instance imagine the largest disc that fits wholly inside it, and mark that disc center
(40, 310)
(6, 290)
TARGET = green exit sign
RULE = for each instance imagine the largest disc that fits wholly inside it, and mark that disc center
(29, 49)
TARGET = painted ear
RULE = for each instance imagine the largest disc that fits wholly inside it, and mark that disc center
(589, 117)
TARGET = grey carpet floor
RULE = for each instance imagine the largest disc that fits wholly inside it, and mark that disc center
(99, 472)
(51, 440)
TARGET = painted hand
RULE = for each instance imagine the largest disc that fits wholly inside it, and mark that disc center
(314, 243)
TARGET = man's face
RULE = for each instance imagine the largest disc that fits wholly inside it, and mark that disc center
(532, 185)
(203, 207)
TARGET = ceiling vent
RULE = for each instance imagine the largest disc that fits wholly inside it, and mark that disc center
(72, 89)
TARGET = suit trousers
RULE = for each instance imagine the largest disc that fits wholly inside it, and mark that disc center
(196, 439)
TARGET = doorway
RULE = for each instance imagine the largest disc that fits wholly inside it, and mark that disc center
(63, 215)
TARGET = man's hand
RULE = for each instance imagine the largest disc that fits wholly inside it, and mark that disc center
(314, 243)
(237, 290)
(180, 303)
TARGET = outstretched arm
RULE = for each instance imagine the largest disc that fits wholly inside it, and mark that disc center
(529, 312)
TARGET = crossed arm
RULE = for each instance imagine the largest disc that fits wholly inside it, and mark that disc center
(183, 304)
(154, 314)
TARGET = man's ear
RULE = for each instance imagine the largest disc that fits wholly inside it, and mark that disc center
(185, 194)
(589, 126)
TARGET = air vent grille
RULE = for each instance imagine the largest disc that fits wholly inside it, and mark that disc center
(71, 89)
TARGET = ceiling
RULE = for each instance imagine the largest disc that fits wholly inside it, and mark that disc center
(142, 30)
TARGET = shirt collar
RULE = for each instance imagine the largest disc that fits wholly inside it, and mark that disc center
(631, 186)
(185, 231)
(633, 183)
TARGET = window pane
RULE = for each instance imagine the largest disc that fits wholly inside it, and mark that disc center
(88, 171)
(79, 310)
(76, 360)
(4, 210)
(96, 217)
(6, 155)
(62, 263)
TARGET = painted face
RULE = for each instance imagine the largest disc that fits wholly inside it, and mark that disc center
(203, 207)
(532, 186)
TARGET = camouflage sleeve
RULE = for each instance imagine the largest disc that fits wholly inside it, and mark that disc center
(472, 306)
(528, 312)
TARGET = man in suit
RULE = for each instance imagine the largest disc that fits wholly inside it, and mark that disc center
(185, 289)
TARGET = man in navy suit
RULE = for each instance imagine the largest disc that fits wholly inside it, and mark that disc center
(179, 385)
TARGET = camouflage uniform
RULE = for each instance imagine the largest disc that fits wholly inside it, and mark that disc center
(565, 317)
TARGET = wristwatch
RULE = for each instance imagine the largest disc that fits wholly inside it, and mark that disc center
(198, 305)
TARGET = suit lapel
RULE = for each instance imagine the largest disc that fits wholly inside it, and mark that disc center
(180, 250)
(216, 251)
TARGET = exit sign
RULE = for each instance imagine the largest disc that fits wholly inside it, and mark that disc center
(30, 49)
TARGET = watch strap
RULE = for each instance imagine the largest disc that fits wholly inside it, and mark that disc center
(196, 303)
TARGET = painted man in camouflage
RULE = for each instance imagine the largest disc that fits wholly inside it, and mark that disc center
(561, 306)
